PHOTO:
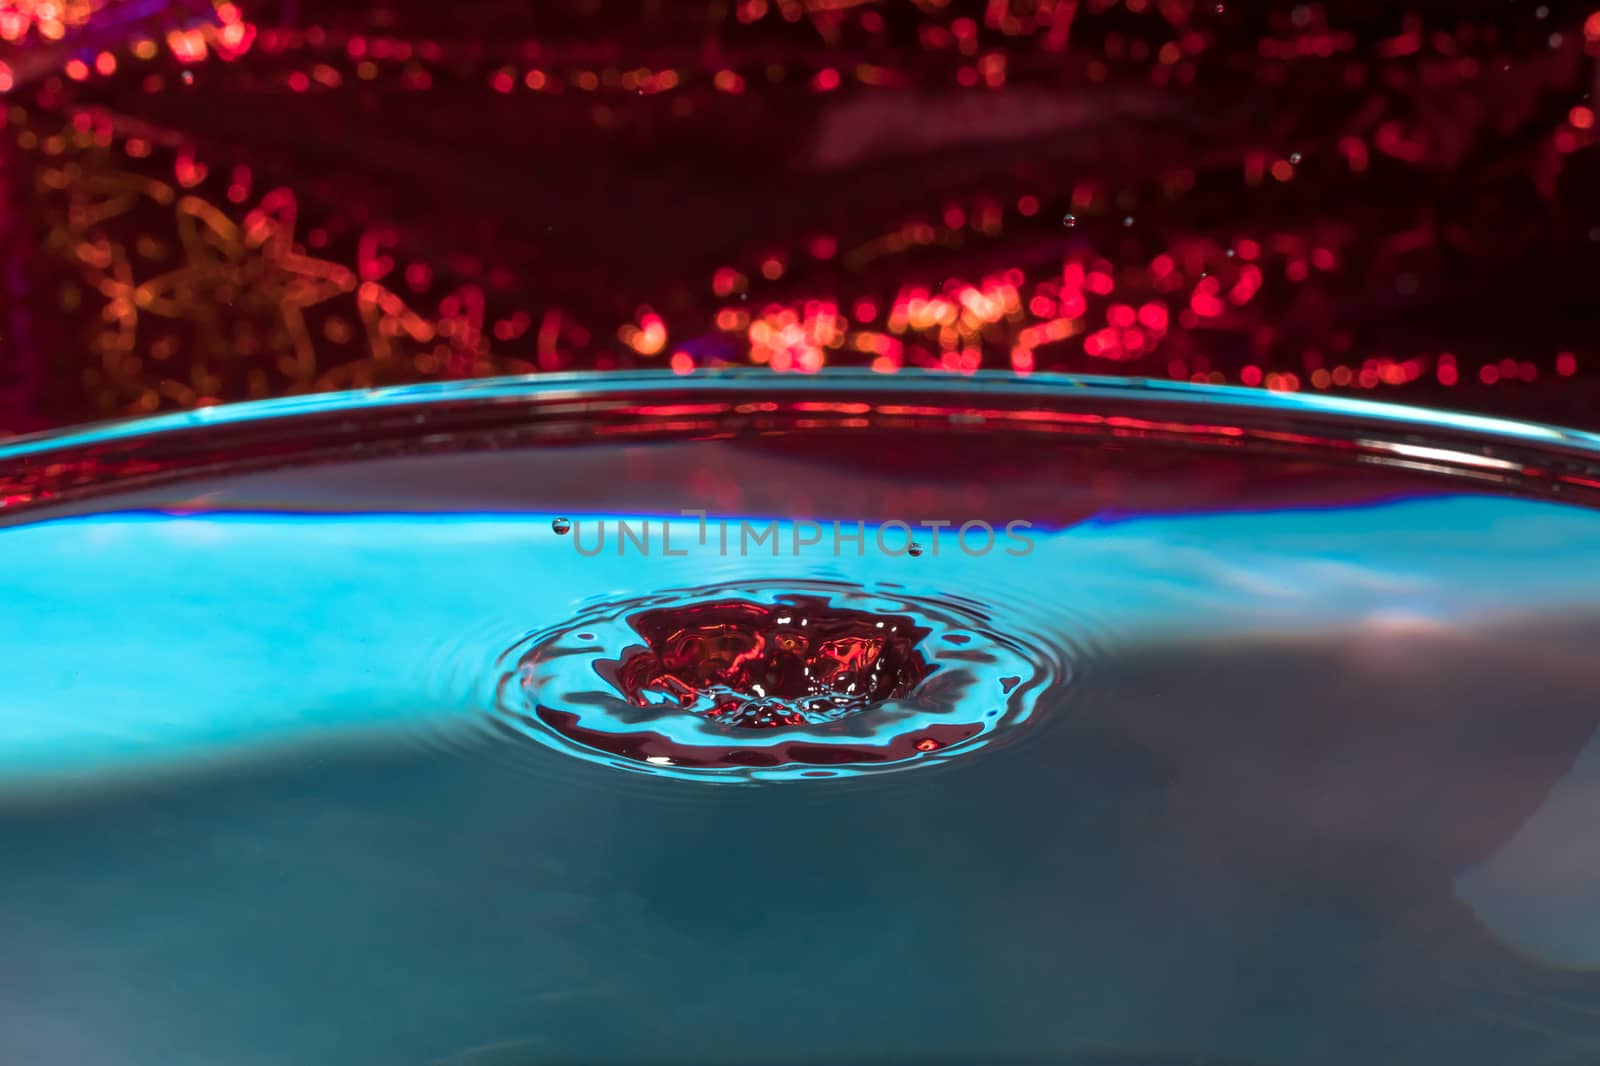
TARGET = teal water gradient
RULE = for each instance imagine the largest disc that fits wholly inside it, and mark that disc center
(1322, 790)
(146, 638)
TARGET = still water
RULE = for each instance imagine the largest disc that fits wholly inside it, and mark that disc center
(1252, 756)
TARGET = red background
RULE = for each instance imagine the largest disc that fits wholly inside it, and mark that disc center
(213, 202)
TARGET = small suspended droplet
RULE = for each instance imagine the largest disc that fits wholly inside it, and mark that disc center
(188, 77)
(915, 548)
(561, 526)
(1127, 220)
(1069, 221)
(1294, 158)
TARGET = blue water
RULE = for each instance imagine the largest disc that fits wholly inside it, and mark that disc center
(1280, 786)
(191, 637)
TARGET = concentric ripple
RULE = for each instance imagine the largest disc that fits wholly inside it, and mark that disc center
(775, 681)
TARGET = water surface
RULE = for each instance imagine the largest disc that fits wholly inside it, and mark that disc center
(1289, 766)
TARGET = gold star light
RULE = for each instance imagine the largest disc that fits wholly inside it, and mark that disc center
(246, 287)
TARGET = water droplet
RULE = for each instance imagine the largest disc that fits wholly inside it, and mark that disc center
(914, 548)
(749, 682)
(1127, 220)
(188, 77)
(1229, 253)
(1069, 221)
(1219, 9)
(1294, 157)
(562, 526)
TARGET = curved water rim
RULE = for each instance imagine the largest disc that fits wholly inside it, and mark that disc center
(58, 466)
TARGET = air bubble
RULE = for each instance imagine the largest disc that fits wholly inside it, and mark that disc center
(562, 526)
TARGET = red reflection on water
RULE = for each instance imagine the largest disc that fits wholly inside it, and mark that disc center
(763, 666)
(648, 746)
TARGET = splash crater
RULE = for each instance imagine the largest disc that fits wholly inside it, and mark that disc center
(752, 681)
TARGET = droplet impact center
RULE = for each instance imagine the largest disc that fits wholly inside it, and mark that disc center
(758, 681)
(750, 665)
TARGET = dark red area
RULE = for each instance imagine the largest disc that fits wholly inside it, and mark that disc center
(766, 666)
(1388, 200)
